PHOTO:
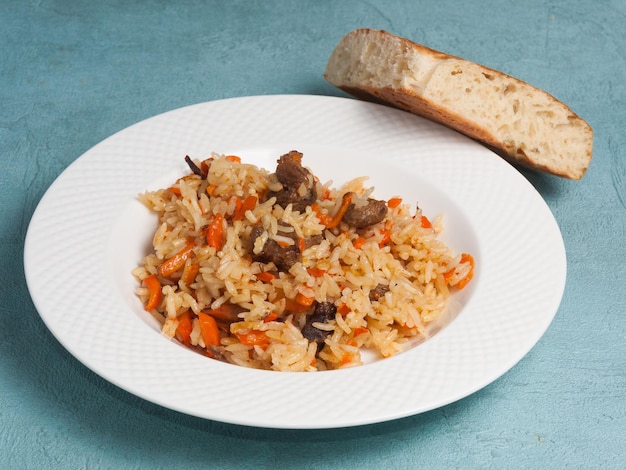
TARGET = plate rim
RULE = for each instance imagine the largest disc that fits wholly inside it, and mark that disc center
(301, 379)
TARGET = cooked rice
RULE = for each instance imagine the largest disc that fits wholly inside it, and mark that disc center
(417, 268)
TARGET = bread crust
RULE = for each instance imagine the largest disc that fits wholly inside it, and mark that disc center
(568, 148)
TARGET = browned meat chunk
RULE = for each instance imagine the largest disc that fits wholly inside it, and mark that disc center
(283, 257)
(314, 240)
(323, 311)
(378, 292)
(370, 214)
(298, 183)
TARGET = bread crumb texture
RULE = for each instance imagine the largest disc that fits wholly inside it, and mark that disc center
(524, 124)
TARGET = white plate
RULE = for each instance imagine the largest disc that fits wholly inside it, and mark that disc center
(89, 231)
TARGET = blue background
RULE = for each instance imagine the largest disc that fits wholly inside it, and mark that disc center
(73, 73)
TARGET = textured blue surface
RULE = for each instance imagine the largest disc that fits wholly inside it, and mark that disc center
(72, 73)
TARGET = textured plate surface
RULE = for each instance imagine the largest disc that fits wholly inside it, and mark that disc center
(89, 231)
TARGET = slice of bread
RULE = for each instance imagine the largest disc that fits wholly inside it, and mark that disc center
(522, 123)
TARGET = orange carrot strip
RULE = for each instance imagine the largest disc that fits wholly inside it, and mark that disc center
(175, 190)
(346, 359)
(215, 232)
(343, 309)
(266, 276)
(359, 330)
(316, 272)
(345, 205)
(270, 317)
(224, 313)
(190, 272)
(233, 158)
(185, 325)
(247, 205)
(425, 222)
(173, 264)
(304, 300)
(359, 242)
(209, 330)
(467, 258)
(154, 288)
(301, 244)
(238, 204)
(205, 166)
(324, 219)
(254, 338)
(386, 233)
(394, 202)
